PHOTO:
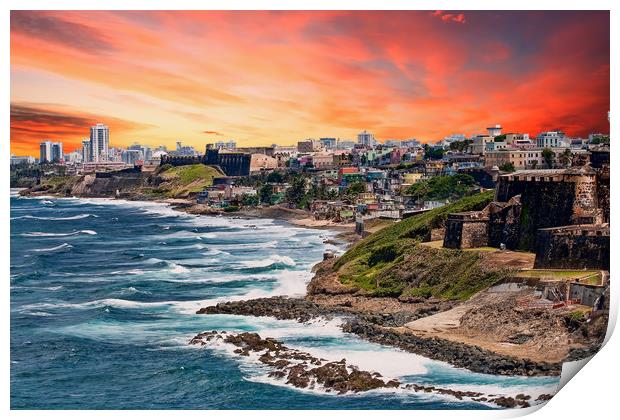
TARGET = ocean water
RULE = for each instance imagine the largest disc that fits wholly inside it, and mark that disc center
(103, 301)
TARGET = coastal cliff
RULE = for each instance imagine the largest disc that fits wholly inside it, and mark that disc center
(165, 182)
(397, 289)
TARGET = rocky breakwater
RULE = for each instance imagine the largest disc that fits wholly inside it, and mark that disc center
(278, 307)
(303, 370)
(297, 368)
(457, 354)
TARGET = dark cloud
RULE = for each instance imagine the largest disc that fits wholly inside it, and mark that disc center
(48, 27)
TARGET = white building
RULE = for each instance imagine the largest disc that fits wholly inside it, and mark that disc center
(22, 160)
(478, 146)
(45, 151)
(228, 145)
(495, 131)
(99, 143)
(50, 152)
(329, 143)
(86, 155)
(550, 139)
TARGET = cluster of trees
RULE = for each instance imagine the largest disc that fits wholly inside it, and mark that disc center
(442, 187)
(298, 193)
(460, 145)
(432, 153)
(600, 140)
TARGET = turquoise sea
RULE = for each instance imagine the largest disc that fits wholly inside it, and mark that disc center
(103, 301)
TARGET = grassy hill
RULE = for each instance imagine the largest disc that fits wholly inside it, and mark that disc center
(182, 181)
(391, 263)
(166, 182)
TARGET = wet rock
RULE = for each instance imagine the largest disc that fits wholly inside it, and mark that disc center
(544, 397)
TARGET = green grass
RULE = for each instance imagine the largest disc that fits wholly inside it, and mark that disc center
(391, 262)
(182, 181)
(415, 227)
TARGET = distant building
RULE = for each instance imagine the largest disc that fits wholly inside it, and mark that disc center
(183, 150)
(478, 146)
(233, 164)
(131, 156)
(495, 131)
(308, 146)
(329, 143)
(519, 141)
(346, 144)
(365, 138)
(50, 152)
(99, 143)
(45, 151)
(549, 139)
(57, 154)
(260, 161)
(229, 145)
(323, 161)
(22, 160)
(86, 154)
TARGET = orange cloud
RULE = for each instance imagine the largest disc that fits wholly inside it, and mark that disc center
(266, 77)
(33, 124)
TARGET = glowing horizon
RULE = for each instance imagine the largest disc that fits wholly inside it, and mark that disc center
(264, 77)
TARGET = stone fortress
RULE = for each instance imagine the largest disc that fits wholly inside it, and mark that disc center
(560, 214)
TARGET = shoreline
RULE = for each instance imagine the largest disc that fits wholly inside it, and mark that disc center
(371, 324)
(296, 217)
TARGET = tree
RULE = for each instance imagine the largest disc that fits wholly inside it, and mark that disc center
(565, 158)
(432, 153)
(548, 155)
(507, 167)
(296, 193)
(600, 140)
(275, 177)
(250, 200)
(266, 193)
(356, 188)
(442, 187)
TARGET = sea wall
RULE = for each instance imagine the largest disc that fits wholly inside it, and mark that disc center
(573, 247)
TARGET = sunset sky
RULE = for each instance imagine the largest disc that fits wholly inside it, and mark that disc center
(279, 77)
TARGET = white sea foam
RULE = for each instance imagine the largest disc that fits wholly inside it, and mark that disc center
(49, 234)
(132, 290)
(75, 217)
(62, 247)
(271, 260)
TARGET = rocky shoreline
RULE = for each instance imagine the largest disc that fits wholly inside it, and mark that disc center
(304, 371)
(461, 355)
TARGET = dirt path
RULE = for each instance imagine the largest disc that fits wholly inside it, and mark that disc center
(493, 322)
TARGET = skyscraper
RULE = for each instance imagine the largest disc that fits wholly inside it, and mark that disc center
(50, 152)
(86, 155)
(45, 151)
(99, 142)
(57, 154)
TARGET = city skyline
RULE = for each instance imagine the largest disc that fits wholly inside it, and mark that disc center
(278, 77)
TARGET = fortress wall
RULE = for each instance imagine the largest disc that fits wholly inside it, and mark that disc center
(573, 247)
